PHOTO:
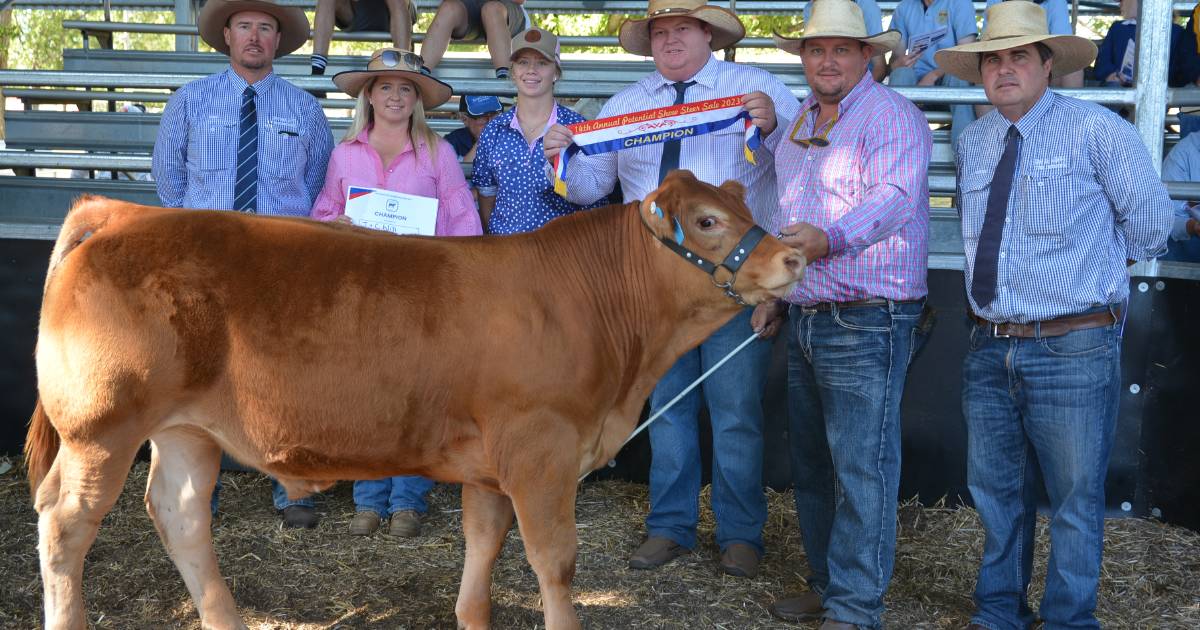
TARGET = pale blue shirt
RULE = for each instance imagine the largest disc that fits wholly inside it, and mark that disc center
(1084, 199)
(913, 18)
(713, 158)
(194, 162)
(1058, 15)
(1182, 164)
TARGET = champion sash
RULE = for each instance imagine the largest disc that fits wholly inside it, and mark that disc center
(655, 126)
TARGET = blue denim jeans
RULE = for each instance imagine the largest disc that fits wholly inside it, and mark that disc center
(278, 496)
(1040, 410)
(846, 374)
(734, 397)
(960, 115)
(392, 494)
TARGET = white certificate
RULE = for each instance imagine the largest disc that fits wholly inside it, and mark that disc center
(1126, 72)
(389, 211)
(925, 40)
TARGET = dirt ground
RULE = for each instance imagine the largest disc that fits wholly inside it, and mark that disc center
(324, 578)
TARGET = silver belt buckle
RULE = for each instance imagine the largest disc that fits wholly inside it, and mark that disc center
(996, 332)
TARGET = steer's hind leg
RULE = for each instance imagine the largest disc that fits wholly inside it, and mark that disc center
(184, 463)
(486, 519)
(545, 506)
(81, 487)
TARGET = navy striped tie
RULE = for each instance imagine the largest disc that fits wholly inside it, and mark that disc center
(245, 187)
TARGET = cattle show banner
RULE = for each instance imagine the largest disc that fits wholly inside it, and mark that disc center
(655, 126)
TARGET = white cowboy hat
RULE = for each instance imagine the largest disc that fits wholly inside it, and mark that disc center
(724, 24)
(293, 24)
(838, 18)
(401, 63)
(1014, 24)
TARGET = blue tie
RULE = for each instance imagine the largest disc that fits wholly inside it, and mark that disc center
(670, 155)
(987, 254)
(245, 187)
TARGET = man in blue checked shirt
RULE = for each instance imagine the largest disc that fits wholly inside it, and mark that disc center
(202, 157)
(245, 139)
(1056, 195)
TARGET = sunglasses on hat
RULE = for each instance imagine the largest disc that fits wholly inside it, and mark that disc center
(392, 58)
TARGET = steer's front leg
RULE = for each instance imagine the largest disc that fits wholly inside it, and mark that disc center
(486, 519)
(545, 506)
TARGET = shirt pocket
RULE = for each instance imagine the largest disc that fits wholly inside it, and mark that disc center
(1046, 192)
(212, 144)
(973, 190)
(284, 149)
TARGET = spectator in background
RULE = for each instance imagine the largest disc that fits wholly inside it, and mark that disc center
(873, 21)
(927, 26)
(1058, 21)
(389, 146)
(1115, 60)
(681, 36)
(1183, 165)
(352, 16)
(497, 21)
(510, 170)
(1185, 60)
(475, 112)
(214, 129)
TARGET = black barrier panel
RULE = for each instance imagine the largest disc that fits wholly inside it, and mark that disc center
(22, 274)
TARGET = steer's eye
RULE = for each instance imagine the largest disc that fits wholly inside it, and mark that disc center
(707, 223)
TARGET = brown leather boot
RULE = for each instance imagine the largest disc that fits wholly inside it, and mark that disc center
(405, 524)
(655, 552)
(364, 523)
(740, 559)
(804, 606)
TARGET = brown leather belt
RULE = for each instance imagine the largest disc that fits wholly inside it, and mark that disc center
(1050, 327)
(828, 306)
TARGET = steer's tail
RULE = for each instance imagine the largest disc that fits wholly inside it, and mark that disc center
(41, 447)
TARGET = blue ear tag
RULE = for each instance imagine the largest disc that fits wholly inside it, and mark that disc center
(656, 210)
(678, 232)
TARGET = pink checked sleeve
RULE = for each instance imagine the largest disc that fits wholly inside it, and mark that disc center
(331, 202)
(457, 214)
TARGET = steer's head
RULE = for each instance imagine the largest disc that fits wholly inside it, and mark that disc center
(707, 226)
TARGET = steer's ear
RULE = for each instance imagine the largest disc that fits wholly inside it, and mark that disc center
(661, 221)
(735, 188)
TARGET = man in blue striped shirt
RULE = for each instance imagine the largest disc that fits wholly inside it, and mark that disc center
(195, 156)
(1056, 195)
(206, 149)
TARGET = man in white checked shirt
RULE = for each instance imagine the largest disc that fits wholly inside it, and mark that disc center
(1056, 194)
(245, 139)
(680, 35)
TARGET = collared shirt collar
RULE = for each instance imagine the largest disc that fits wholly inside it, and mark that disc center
(848, 101)
(364, 137)
(516, 122)
(262, 86)
(707, 76)
(1030, 120)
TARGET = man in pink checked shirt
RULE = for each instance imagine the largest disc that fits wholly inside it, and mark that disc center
(852, 173)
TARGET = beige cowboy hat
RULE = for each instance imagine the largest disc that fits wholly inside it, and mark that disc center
(725, 26)
(401, 63)
(1014, 24)
(293, 24)
(838, 18)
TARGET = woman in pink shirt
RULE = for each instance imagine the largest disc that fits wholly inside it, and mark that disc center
(390, 146)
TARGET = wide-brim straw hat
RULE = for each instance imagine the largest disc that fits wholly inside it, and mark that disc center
(293, 24)
(400, 63)
(1010, 25)
(838, 18)
(724, 24)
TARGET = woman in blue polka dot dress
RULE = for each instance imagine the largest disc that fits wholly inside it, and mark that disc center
(510, 172)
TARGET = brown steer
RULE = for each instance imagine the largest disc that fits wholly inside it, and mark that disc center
(318, 353)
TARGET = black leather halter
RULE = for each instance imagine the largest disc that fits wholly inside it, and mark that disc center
(732, 263)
